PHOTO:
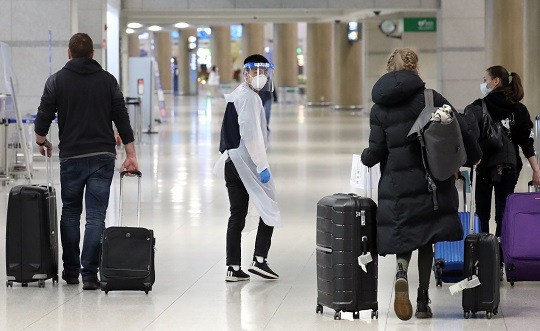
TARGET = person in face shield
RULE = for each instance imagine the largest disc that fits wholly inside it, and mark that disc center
(247, 174)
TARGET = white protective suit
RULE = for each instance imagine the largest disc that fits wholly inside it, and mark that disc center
(250, 157)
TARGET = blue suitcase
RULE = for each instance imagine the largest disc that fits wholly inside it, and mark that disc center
(449, 256)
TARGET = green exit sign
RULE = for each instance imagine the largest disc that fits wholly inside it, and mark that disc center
(419, 24)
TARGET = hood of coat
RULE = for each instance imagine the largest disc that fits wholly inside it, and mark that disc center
(83, 65)
(396, 87)
(499, 106)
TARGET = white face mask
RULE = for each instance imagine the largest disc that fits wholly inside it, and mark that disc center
(258, 81)
(485, 90)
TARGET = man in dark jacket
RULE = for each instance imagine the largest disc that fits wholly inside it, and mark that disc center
(406, 219)
(87, 100)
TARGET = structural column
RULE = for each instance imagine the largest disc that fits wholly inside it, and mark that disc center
(252, 39)
(133, 45)
(504, 34)
(163, 52)
(461, 61)
(319, 64)
(285, 44)
(347, 69)
(531, 73)
(184, 62)
(221, 52)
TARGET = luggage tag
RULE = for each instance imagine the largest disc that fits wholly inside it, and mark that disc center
(464, 284)
(363, 260)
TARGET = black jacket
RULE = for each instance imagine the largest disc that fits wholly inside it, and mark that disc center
(87, 100)
(405, 216)
(230, 129)
(518, 127)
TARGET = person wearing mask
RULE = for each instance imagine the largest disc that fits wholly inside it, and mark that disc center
(247, 174)
(500, 168)
(406, 217)
(87, 100)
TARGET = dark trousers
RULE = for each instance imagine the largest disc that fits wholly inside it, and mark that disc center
(239, 200)
(88, 177)
(484, 188)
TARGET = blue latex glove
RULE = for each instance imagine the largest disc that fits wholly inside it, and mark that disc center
(265, 176)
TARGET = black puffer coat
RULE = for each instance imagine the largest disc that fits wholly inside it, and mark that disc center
(405, 216)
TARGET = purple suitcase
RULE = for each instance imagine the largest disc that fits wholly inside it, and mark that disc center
(519, 237)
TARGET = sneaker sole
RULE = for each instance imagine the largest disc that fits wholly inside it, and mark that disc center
(235, 279)
(423, 315)
(262, 273)
(402, 304)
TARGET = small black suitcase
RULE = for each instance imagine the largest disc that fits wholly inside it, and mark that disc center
(127, 257)
(346, 229)
(482, 259)
(31, 235)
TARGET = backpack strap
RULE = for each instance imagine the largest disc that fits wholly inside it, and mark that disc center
(432, 187)
(428, 95)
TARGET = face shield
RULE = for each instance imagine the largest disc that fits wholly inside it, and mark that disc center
(259, 76)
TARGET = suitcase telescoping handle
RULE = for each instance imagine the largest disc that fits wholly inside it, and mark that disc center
(367, 181)
(464, 181)
(139, 175)
(473, 200)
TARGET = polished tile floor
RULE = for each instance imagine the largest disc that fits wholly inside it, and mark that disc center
(187, 207)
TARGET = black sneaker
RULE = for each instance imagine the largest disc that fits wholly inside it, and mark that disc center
(71, 280)
(236, 276)
(262, 269)
(91, 285)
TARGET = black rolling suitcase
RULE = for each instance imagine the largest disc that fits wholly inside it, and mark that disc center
(482, 259)
(127, 257)
(31, 234)
(346, 229)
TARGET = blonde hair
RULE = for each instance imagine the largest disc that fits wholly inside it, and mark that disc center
(403, 59)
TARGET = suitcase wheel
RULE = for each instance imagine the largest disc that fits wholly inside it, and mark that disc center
(375, 313)
(103, 286)
(337, 315)
(489, 315)
(41, 283)
(55, 279)
(147, 288)
(319, 309)
(356, 315)
(24, 284)
(466, 314)
(9, 283)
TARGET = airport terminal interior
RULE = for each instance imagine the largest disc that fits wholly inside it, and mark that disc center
(327, 56)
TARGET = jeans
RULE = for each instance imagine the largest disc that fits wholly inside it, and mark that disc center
(94, 173)
(484, 189)
(239, 200)
(267, 107)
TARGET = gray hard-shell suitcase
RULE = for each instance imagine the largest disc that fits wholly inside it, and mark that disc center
(32, 233)
(127, 257)
(346, 229)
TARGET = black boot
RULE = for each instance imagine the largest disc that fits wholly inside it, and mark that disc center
(422, 305)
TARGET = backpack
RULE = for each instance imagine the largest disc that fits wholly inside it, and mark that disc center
(443, 151)
(491, 135)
